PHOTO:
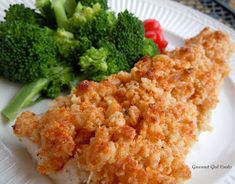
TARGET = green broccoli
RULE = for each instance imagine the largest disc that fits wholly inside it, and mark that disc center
(70, 48)
(97, 64)
(56, 11)
(112, 20)
(60, 13)
(70, 6)
(94, 62)
(92, 22)
(26, 51)
(128, 36)
(20, 12)
(84, 36)
(117, 60)
(45, 8)
(150, 48)
(51, 86)
(103, 3)
(85, 18)
(26, 96)
(28, 54)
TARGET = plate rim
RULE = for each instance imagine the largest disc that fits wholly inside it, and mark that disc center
(194, 13)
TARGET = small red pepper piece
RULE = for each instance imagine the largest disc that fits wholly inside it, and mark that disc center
(154, 31)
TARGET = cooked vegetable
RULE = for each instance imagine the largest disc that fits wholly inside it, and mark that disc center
(69, 40)
(60, 13)
(70, 48)
(45, 8)
(153, 31)
(57, 11)
(26, 96)
(103, 3)
(60, 77)
(51, 86)
(97, 64)
(128, 36)
(28, 53)
(70, 6)
(150, 48)
(20, 12)
(116, 60)
(92, 22)
(152, 25)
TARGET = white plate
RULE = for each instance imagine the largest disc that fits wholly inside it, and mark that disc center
(216, 148)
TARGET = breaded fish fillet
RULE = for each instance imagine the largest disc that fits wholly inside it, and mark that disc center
(135, 127)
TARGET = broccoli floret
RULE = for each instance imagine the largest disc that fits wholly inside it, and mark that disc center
(111, 20)
(20, 12)
(94, 61)
(51, 86)
(70, 48)
(26, 51)
(92, 22)
(85, 44)
(66, 43)
(97, 64)
(60, 78)
(117, 60)
(45, 7)
(56, 11)
(84, 14)
(150, 48)
(128, 36)
(28, 54)
(103, 3)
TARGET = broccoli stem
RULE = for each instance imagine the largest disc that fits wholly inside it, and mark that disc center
(60, 14)
(45, 7)
(24, 97)
(70, 6)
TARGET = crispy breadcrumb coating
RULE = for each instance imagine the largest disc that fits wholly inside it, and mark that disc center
(135, 127)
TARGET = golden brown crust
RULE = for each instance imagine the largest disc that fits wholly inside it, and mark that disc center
(26, 125)
(135, 127)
